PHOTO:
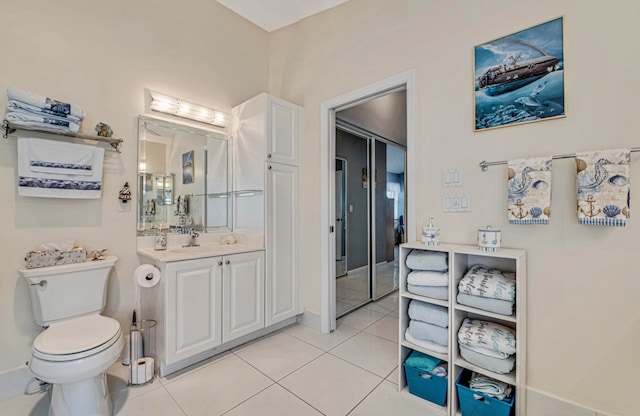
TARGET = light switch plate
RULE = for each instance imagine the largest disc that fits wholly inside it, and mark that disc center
(452, 177)
(456, 203)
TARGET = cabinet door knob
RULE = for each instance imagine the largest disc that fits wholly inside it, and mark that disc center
(227, 262)
(268, 155)
(220, 263)
(269, 167)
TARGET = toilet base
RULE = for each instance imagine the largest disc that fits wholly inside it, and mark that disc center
(88, 397)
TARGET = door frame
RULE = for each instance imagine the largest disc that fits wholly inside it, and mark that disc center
(402, 81)
(344, 225)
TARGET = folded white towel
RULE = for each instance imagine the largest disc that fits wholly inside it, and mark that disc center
(429, 313)
(427, 345)
(42, 122)
(429, 332)
(55, 157)
(489, 386)
(48, 185)
(54, 106)
(489, 283)
(428, 278)
(15, 105)
(488, 335)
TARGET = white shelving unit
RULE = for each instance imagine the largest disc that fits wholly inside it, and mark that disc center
(460, 259)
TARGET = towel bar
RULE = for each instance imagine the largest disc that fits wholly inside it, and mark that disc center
(8, 128)
(484, 165)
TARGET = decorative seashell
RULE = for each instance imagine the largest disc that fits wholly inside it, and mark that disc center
(624, 211)
(540, 184)
(580, 165)
(547, 211)
(611, 210)
(512, 173)
(618, 180)
(535, 212)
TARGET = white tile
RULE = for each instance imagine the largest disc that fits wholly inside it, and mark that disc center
(541, 404)
(157, 402)
(386, 400)
(218, 387)
(275, 400)
(320, 340)
(361, 318)
(117, 379)
(193, 368)
(370, 352)
(393, 377)
(32, 405)
(278, 355)
(331, 385)
(386, 328)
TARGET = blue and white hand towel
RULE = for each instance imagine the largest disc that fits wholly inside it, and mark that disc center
(41, 121)
(529, 190)
(19, 106)
(50, 105)
(603, 187)
(59, 184)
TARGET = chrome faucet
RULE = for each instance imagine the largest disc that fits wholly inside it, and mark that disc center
(192, 238)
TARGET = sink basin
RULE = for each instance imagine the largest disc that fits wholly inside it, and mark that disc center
(198, 249)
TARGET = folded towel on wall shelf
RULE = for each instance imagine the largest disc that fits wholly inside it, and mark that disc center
(434, 292)
(429, 313)
(497, 365)
(489, 283)
(59, 185)
(427, 260)
(15, 105)
(489, 386)
(41, 122)
(428, 278)
(488, 335)
(49, 104)
(50, 157)
(424, 344)
(502, 307)
(603, 187)
(529, 190)
(428, 332)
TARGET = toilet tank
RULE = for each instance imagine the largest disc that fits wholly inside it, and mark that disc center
(67, 291)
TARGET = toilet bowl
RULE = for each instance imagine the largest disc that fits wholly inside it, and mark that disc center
(78, 345)
(73, 356)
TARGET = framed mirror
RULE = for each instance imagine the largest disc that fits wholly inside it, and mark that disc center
(184, 178)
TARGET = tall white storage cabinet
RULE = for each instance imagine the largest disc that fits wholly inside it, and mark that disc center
(265, 170)
(460, 259)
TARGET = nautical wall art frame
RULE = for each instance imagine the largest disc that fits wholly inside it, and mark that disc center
(187, 167)
(519, 78)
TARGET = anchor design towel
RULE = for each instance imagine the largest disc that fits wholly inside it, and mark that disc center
(529, 190)
(603, 187)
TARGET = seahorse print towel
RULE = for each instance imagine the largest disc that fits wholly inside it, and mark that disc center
(603, 187)
(529, 190)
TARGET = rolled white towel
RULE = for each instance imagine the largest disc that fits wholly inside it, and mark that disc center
(55, 106)
(44, 122)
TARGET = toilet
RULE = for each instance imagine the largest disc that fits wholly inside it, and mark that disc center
(78, 344)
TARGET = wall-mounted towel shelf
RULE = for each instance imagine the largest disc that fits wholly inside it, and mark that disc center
(484, 165)
(8, 128)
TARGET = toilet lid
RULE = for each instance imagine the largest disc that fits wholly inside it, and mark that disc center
(76, 335)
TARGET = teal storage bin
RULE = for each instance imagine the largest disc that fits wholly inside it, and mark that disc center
(473, 403)
(426, 385)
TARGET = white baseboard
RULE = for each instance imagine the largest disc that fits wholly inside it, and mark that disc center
(543, 403)
(311, 320)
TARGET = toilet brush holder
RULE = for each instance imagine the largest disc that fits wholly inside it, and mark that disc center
(142, 352)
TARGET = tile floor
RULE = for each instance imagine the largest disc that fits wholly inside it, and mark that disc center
(295, 371)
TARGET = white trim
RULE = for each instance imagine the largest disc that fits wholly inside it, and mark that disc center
(327, 164)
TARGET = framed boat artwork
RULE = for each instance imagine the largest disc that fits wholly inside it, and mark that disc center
(519, 78)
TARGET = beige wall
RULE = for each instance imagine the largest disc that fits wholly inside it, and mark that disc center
(583, 314)
(101, 56)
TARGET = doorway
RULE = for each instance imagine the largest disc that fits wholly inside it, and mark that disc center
(402, 81)
(370, 204)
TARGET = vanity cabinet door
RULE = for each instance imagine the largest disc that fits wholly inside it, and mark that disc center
(194, 307)
(243, 294)
(281, 242)
(282, 135)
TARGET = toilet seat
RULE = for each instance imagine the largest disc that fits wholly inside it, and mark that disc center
(76, 338)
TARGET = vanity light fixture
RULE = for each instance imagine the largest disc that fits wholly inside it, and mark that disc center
(177, 107)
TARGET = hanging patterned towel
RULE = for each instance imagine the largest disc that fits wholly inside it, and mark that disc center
(603, 187)
(529, 190)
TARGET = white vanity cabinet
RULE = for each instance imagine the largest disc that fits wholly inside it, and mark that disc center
(265, 131)
(460, 259)
(205, 306)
